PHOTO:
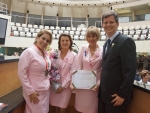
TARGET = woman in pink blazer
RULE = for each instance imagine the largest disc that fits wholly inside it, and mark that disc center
(33, 69)
(66, 64)
(89, 58)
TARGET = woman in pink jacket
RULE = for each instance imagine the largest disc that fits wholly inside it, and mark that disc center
(66, 64)
(89, 58)
(33, 69)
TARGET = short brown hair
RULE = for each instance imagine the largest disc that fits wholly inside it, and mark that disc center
(108, 14)
(143, 73)
(70, 39)
(40, 33)
(94, 31)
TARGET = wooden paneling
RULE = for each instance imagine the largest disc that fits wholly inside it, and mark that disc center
(20, 109)
(140, 102)
(8, 77)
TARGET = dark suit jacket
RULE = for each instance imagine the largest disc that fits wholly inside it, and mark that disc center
(118, 69)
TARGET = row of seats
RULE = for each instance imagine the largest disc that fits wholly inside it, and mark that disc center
(55, 36)
(74, 28)
(78, 36)
(72, 32)
(18, 25)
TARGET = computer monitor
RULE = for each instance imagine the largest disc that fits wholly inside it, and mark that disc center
(3, 29)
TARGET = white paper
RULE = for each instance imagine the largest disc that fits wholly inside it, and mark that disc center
(83, 79)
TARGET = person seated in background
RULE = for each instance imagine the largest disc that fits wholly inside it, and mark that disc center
(137, 76)
(1, 56)
(145, 75)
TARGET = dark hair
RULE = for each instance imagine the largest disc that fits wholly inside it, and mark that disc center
(70, 39)
(40, 33)
(108, 14)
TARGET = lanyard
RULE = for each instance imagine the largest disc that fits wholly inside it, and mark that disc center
(43, 57)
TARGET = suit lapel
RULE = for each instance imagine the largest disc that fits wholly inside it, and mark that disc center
(113, 44)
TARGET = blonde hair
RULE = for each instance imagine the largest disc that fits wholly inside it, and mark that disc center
(93, 31)
(40, 33)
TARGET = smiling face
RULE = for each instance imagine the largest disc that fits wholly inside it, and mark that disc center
(110, 25)
(43, 41)
(92, 39)
(65, 42)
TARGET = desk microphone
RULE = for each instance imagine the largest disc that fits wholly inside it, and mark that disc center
(75, 45)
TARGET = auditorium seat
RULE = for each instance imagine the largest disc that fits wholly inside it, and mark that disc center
(57, 28)
(12, 24)
(120, 28)
(68, 28)
(76, 37)
(53, 36)
(126, 32)
(131, 28)
(57, 36)
(16, 33)
(41, 27)
(71, 32)
(20, 29)
(26, 29)
(18, 24)
(144, 32)
(13, 28)
(32, 30)
(22, 34)
(138, 32)
(131, 32)
(137, 27)
(34, 35)
(148, 27)
(55, 31)
(103, 38)
(60, 31)
(136, 37)
(47, 27)
(78, 29)
(37, 30)
(103, 33)
(67, 32)
(28, 34)
(52, 28)
(77, 32)
(81, 37)
(29, 25)
(63, 28)
(73, 29)
(143, 27)
(24, 25)
(142, 37)
(84, 29)
(83, 33)
(35, 26)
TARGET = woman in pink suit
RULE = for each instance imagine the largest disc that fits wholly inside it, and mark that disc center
(33, 69)
(89, 58)
(66, 64)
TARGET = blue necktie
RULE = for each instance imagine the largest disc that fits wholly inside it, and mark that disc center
(107, 45)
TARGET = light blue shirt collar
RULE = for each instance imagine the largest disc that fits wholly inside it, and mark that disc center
(112, 37)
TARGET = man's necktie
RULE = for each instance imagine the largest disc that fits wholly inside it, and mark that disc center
(107, 45)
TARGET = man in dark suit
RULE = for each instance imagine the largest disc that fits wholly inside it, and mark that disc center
(118, 68)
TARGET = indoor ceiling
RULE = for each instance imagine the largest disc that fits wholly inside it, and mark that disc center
(76, 3)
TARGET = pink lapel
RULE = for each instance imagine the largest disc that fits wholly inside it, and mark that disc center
(66, 59)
